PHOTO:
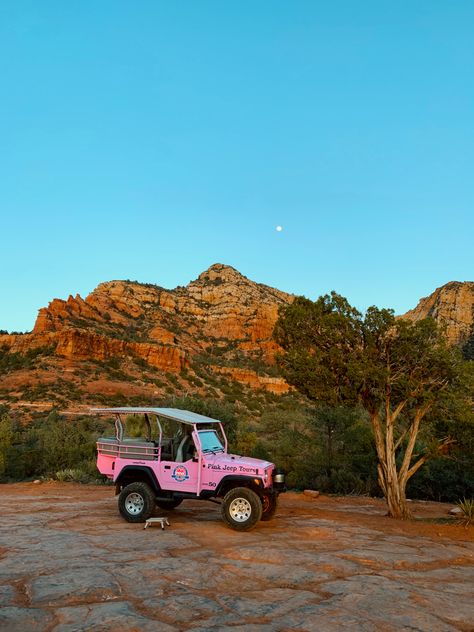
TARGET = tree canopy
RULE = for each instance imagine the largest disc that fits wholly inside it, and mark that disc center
(402, 373)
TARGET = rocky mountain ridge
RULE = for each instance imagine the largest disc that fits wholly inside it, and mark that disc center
(221, 322)
(133, 340)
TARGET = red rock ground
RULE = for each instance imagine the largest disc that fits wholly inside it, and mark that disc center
(69, 562)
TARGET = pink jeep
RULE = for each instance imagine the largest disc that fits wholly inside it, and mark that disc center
(184, 455)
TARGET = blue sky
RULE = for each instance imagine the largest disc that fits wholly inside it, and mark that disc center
(147, 140)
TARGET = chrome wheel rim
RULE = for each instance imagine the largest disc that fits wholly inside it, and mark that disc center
(134, 503)
(240, 509)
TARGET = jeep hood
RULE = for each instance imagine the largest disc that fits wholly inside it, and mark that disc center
(234, 460)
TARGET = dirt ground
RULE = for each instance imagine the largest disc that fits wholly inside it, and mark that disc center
(69, 562)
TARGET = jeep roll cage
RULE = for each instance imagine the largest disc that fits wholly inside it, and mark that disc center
(186, 417)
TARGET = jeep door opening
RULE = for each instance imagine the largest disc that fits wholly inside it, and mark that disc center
(183, 455)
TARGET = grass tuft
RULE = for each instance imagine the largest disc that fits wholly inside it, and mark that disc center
(467, 507)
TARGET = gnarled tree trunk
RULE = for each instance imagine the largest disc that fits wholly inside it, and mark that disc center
(393, 481)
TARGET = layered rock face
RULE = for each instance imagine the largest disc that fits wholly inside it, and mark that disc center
(221, 313)
(452, 306)
(129, 336)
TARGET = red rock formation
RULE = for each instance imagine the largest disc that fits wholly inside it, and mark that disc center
(76, 344)
(126, 320)
(451, 305)
(60, 313)
(231, 306)
(220, 314)
(21, 343)
(251, 378)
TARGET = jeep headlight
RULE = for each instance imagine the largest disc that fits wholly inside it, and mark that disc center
(279, 480)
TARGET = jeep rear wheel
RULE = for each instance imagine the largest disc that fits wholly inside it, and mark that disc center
(136, 502)
(269, 505)
(241, 509)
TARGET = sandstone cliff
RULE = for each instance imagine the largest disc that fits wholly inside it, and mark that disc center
(221, 323)
(452, 306)
(209, 338)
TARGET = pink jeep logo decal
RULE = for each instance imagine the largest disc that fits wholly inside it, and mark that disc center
(180, 474)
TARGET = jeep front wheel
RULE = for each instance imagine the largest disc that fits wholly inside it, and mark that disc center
(136, 502)
(241, 509)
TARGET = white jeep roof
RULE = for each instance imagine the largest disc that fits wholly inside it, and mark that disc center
(184, 416)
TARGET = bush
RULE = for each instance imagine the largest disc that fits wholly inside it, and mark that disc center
(84, 474)
(49, 446)
(12, 361)
(467, 508)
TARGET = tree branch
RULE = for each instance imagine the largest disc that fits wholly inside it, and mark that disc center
(379, 439)
(398, 409)
(413, 430)
(400, 439)
(416, 466)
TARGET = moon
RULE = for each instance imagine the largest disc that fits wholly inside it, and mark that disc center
(279, 229)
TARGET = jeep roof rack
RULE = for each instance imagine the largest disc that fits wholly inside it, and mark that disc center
(184, 416)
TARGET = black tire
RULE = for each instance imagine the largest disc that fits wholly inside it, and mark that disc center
(168, 504)
(241, 509)
(269, 505)
(136, 502)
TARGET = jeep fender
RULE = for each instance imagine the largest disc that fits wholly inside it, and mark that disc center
(137, 473)
(235, 480)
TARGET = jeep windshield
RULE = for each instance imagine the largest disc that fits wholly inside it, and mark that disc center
(210, 442)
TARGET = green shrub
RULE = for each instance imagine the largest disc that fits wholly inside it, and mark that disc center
(467, 507)
(13, 361)
(141, 363)
(171, 377)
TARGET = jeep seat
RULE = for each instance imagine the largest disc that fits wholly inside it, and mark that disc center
(138, 449)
